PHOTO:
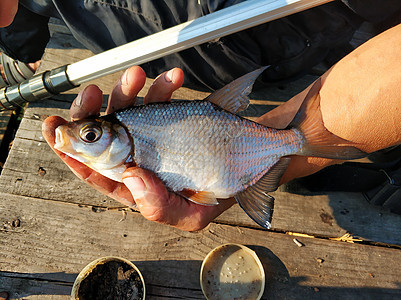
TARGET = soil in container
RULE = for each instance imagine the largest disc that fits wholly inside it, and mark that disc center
(114, 280)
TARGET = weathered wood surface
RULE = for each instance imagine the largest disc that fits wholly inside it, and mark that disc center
(53, 241)
(64, 224)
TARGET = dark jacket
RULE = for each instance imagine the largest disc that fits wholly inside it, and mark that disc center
(291, 45)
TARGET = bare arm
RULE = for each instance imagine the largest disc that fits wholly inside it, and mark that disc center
(361, 95)
(360, 101)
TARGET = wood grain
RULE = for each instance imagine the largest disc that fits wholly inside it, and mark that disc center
(61, 238)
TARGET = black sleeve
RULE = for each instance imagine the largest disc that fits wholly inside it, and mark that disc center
(374, 10)
(26, 38)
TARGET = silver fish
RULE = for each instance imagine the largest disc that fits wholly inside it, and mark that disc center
(201, 149)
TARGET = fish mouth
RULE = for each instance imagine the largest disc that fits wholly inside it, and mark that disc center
(60, 141)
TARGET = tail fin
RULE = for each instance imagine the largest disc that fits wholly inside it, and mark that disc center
(320, 141)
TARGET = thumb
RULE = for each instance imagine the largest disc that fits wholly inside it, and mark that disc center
(149, 192)
(136, 186)
(157, 204)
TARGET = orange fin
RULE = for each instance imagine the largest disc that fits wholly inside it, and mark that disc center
(203, 198)
(320, 141)
(234, 96)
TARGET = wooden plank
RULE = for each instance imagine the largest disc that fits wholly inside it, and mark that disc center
(58, 26)
(62, 238)
(327, 215)
(32, 287)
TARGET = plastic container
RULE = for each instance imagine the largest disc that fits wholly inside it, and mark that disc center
(93, 282)
(232, 271)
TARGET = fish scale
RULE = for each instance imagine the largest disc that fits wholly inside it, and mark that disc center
(199, 146)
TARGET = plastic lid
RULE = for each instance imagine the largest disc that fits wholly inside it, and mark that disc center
(232, 271)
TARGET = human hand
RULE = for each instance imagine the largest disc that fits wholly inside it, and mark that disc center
(140, 187)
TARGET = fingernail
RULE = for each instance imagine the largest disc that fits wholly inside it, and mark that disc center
(76, 109)
(124, 78)
(136, 186)
(169, 76)
(78, 100)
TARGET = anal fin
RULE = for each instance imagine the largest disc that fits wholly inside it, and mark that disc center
(255, 201)
(201, 197)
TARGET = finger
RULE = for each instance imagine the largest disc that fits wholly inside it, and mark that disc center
(164, 86)
(127, 88)
(157, 204)
(88, 103)
(115, 190)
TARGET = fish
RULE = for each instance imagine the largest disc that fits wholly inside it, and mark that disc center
(202, 149)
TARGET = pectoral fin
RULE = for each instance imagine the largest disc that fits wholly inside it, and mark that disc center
(234, 96)
(255, 201)
(203, 198)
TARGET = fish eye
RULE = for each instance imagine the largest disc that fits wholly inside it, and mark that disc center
(90, 133)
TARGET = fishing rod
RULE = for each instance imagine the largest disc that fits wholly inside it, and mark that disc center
(206, 28)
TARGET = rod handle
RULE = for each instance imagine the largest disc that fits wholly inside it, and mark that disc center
(38, 87)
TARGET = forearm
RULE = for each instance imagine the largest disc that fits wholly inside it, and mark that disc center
(361, 94)
(360, 100)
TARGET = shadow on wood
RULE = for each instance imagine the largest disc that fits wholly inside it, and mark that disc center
(168, 281)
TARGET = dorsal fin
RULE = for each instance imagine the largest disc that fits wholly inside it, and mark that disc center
(234, 96)
(255, 201)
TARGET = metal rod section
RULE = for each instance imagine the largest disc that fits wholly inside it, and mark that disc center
(207, 28)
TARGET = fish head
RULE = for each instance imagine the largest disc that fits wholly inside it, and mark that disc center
(99, 144)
